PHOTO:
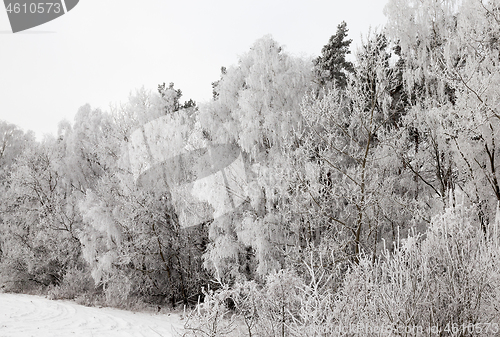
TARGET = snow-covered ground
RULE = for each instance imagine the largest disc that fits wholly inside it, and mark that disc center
(24, 315)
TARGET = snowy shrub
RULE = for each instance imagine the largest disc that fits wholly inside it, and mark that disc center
(75, 282)
(212, 318)
(281, 303)
(274, 309)
(117, 290)
(446, 279)
(356, 303)
(247, 298)
(462, 267)
(317, 296)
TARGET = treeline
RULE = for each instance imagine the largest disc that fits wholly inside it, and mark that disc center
(343, 160)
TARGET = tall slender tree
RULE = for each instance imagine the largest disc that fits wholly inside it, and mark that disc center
(332, 67)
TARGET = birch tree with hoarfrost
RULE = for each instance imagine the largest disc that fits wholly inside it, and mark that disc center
(40, 222)
(353, 178)
(132, 241)
(457, 51)
(257, 108)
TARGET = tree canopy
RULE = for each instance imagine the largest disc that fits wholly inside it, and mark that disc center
(304, 187)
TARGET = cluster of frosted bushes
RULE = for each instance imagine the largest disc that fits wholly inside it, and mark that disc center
(445, 282)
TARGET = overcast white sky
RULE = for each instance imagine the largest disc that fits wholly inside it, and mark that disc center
(103, 50)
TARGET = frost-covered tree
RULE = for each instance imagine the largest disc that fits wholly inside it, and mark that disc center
(136, 248)
(257, 108)
(40, 222)
(351, 172)
(171, 95)
(258, 99)
(470, 65)
(450, 69)
(421, 29)
(13, 141)
(89, 147)
(132, 240)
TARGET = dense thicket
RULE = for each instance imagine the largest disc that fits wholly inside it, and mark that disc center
(368, 194)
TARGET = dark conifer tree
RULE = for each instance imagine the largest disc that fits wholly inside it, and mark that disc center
(331, 67)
